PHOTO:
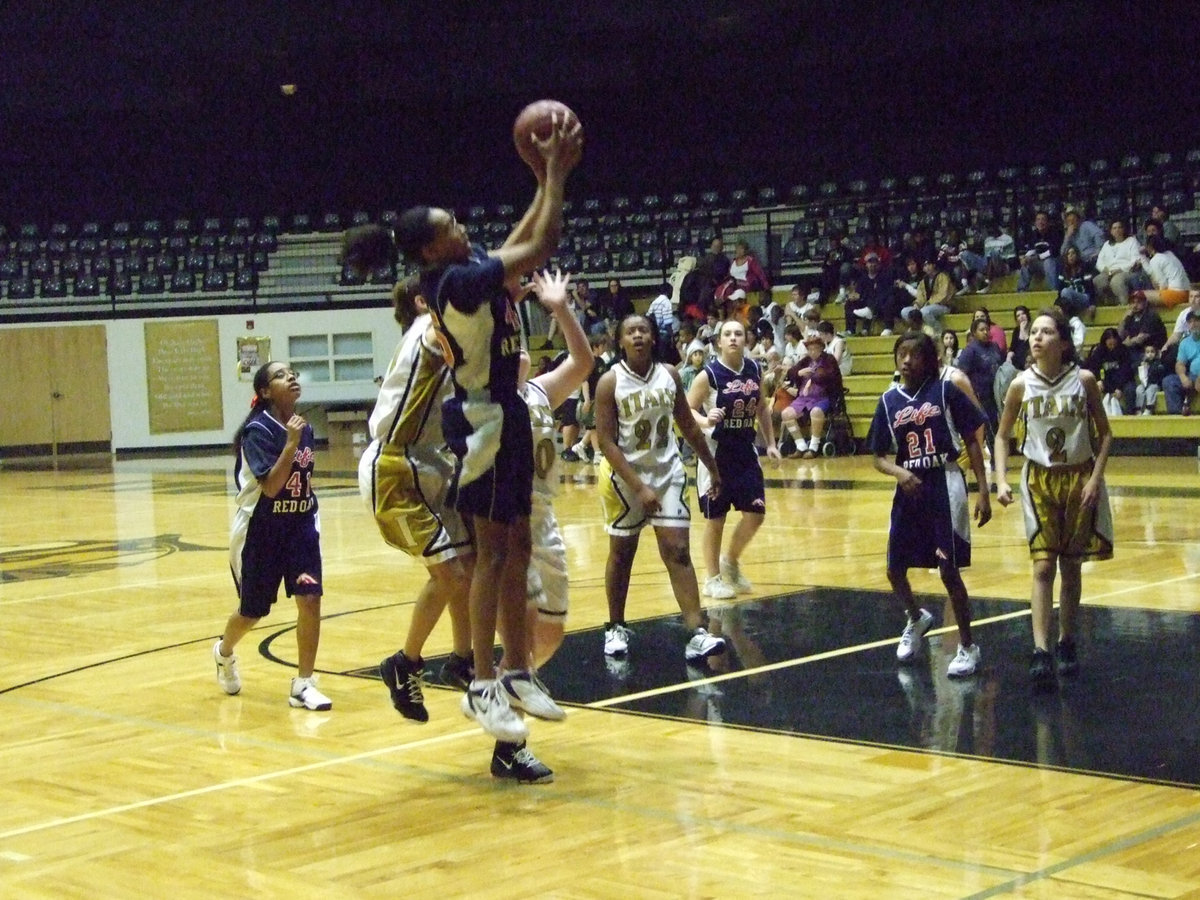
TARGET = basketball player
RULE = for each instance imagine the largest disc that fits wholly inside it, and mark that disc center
(916, 434)
(727, 400)
(404, 477)
(642, 481)
(276, 531)
(1067, 516)
(486, 423)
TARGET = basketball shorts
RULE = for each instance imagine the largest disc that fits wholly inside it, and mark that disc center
(265, 553)
(547, 565)
(568, 413)
(624, 515)
(1056, 524)
(742, 486)
(494, 444)
(408, 496)
(933, 526)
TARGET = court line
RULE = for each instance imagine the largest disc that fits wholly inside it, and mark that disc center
(237, 782)
(1090, 856)
(787, 663)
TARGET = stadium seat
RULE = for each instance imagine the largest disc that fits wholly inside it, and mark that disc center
(225, 261)
(388, 218)
(56, 247)
(208, 243)
(152, 228)
(53, 286)
(238, 243)
(570, 262)
(330, 222)
(196, 262)
(20, 288)
(476, 213)
(164, 264)
(181, 226)
(827, 190)
(28, 231)
(40, 267)
(680, 201)
(767, 196)
(150, 244)
(90, 230)
(10, 267)
(655, 259)
(87, 286)
(120, 284)
(679, 238)
(651, 203)
(212, 225)
(739, 199)
(259, 261)
(590, 242)
(629, 261)
(617, 241)
(101, 265)
(150, 283)
(858, 187)
(245, 280)
(349, 277)
(670, 217)
(71, 265)
(647, 239)
(360, 217)
(241, 225)
(301, 223)
(598, 262)
(593, 207)
(385, 274)
(27, 248)
(183, 282)
(179, 244)
(216, 280)
(270, 224)
(118, 246)
(795, 250)
(506, 212)
(889, 185)
(798, 194)
(60, 230)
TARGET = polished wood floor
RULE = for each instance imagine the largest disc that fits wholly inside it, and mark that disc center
(128, 774)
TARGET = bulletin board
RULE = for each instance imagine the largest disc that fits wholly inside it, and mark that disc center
(183, 376)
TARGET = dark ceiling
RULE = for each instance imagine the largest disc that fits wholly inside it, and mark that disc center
(124, 108)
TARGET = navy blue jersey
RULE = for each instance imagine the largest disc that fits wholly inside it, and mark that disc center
(737, 393)
(263, 440)
(923, 429)
(480, 325)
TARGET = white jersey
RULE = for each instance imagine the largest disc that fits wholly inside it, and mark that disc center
(1055, 413)
(408, 412)
(645, 415)
(545, 454)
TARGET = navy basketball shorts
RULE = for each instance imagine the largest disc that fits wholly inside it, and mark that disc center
(271, 556)
(504, 493)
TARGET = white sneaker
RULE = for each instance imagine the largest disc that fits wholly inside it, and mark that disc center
(965, 661)
(731, 574)
(305, 694)
(526, 691)
(487, 703)
(616, 640)
(227, 670)
(717, 589)
(865, 313)
(887, 332)
(703, 645)
(910, 639)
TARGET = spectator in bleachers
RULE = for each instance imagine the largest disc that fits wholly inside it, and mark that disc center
(999, 250)
(996, 331)
(812, 383)
(980, 361)
(1171, 347)
(1076, 291)
(837, 269)
(1083, 234)
(1160, 218)
(904, 290)
(1180, 386)
(1117, 264)
(746, 270)
(1142, 325)
(1166, 274)
(793, 346)
(965, 267)
(836, 346)
(934, 292)
(1112, 363)
(580, 305)
(871, 297)
(662, 318)
(1016, 357)
(875, 246)
(616, 304)
(712, 270)
(949, 355)
(1042, 247)
(1150, 375)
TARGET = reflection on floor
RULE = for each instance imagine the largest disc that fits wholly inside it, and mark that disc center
(822, 663)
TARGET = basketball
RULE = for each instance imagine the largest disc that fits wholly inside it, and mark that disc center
(537, 118)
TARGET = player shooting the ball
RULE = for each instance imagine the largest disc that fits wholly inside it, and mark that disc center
(485, 422)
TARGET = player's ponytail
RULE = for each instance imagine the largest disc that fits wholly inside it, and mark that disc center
(262, 380)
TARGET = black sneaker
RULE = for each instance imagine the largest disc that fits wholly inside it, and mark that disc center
(458, 671)
(1041, 672)
(1066, 657)
(515, 762)
(569, 456)
(403, 679)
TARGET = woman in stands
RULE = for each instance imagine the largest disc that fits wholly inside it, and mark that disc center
(276, 534)
(1076, 291)
(980, 361)
(1067, 519)
(729, 403)
(643, 482)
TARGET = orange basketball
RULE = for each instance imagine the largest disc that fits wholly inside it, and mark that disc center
(537, 118)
